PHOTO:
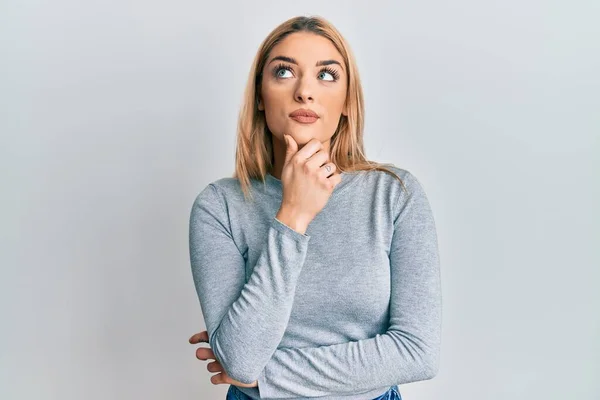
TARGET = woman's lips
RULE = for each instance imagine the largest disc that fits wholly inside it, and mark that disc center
(304, 119)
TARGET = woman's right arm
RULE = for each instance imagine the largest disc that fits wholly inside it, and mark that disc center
(245, 321)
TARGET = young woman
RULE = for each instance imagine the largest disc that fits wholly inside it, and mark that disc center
(317, 270)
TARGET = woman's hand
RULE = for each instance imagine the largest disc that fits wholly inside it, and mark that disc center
(308, 180)
(203, 353)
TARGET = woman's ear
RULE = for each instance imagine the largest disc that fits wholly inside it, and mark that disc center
(261, 106)
(345, 110)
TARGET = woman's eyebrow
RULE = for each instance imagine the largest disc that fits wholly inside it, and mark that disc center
(293, 61)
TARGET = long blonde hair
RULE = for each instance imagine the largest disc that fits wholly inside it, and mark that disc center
(254, 152)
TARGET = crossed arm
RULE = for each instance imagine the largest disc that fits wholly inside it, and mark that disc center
(246, 321)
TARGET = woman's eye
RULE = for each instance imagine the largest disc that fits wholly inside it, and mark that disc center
(281, 72)
(327, 73)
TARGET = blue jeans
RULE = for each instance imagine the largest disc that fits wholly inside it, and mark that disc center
(235, 394)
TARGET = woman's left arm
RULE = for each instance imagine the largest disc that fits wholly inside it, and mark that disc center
(408, 351)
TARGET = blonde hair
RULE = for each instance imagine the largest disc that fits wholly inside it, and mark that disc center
(254, 151)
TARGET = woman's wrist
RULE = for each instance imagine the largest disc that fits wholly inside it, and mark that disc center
(293, 220)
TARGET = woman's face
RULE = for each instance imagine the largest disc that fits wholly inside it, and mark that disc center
(304, 71)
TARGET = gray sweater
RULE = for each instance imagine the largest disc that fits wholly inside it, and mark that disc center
(342, 312)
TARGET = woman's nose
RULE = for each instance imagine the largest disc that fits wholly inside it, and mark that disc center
(304, 97)
(304, 91)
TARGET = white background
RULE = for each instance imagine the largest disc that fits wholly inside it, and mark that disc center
(115, 114)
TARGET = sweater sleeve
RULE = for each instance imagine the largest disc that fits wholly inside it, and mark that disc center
(245, 321)
(407, 352)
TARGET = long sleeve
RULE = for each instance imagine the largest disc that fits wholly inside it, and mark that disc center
(245, 321)
(407, 352)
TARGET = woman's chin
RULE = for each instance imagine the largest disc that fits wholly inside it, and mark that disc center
(302, 135)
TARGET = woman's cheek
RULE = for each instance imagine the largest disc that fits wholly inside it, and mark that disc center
(273, 122)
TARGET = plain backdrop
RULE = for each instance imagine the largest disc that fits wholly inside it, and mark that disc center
(115, 114)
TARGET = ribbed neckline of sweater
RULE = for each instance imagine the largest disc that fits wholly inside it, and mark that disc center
(274, 186)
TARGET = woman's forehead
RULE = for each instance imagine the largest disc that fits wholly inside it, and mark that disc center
(306, 47)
